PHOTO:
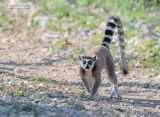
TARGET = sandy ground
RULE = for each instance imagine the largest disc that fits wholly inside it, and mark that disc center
(24, 55)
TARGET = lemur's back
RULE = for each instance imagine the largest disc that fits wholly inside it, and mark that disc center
(102, 53)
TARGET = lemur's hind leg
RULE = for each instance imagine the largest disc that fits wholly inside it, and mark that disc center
(112, 77)
(114, 87)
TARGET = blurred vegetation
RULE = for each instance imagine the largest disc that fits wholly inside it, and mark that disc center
(90, 14)
(149, 56)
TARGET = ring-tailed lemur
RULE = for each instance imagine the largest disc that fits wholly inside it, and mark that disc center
(100, 57)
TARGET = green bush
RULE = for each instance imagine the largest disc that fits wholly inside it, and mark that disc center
(57, 7)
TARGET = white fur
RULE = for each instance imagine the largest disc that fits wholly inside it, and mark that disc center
(112, 21)
(87, 60)
(110, 28)
(108, 44)
(108, 36)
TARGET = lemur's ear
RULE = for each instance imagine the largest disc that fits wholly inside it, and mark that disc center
(94, 57)
(80, 57)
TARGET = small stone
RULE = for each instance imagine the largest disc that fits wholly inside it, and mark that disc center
(7, 97)
(158, 107)
(122, 115)
(33, 96)
(148, 90)
(99, 97)
(31, 87)
(22, 114)
(25, 99)
(2, 86)
(13, 83)
(104, 113)
(41, 86)
(71, 99)
(5, 40)
(145, 85)
(47, 100)
(51, 114)
(45, 97)
(65, 110)
(90, 112)
(150, 76)
(41, 107)
(36, 101)
(21, 84)
(27, 107)
(29, 94)
(79, 106)
(94, 104)
(54, 100)
(156, 79)
(150, 96)
(44, 107)
(7, 78)
(53, 109)
(20, 70)
(135, 101)
(49, 94)
(51, 36)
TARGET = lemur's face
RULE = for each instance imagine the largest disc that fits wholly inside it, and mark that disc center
(87, 62)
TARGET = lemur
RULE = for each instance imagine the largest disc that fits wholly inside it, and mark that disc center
(100, 57)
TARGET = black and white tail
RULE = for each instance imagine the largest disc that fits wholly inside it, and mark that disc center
(115, 23)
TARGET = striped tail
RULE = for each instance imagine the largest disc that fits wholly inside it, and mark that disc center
(112, 23)
(115, 22)
(121, 49)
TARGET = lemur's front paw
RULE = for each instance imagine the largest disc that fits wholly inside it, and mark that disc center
(119, 97)
(92, 95)
(110, 97)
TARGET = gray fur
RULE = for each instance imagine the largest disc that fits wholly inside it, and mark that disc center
(101, 58)
(120, 42)
(121, 50)
(92, 77)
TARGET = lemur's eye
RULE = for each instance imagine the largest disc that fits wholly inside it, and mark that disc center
(84, 62)
(90, 62)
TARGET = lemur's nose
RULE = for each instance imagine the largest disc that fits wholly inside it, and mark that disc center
(87, 67)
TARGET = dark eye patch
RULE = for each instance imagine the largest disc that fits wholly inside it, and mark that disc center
(84, 62)
(90, 62)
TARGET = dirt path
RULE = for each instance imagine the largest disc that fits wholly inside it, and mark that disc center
(22, 57)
